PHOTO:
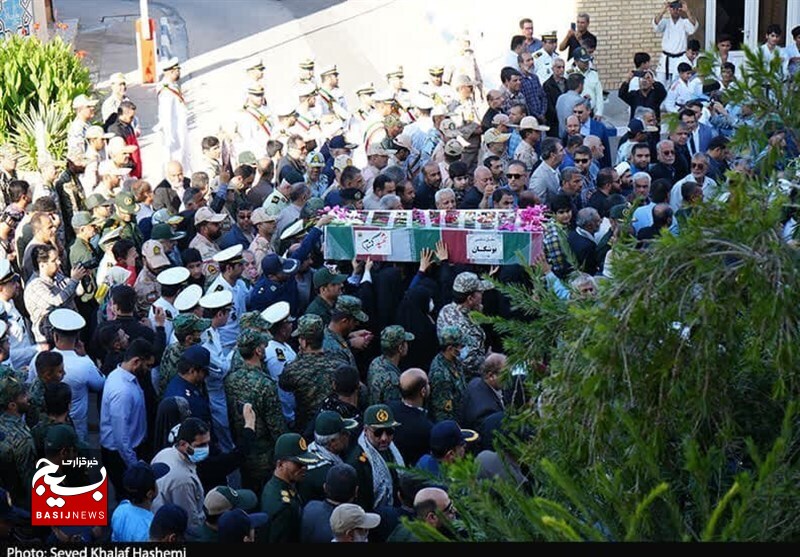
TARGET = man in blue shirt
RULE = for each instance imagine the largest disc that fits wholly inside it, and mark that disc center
(448, 444)
(131, 519)
(123, 421)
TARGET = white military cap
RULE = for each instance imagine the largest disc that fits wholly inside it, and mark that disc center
(276, 313)
(169, 64)
(6, 272)
(216, 300)
(295, 228)
(188, 298)
(284, 109)
(229, 254)
(382, 96)
(330, 68)
(423, 102)
(306, 89)
(111, 235)
(173, 276)
(66, 320)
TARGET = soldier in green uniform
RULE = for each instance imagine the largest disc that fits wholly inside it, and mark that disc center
(383, 376)
(49, 369)
(251, 320)
(347, 315)
(280, 499)
(17, 453)
(57, 400)
(249, 382)
(329, 286)
(376, 458)
(331, 441)
(126, 217)
(187, 328)
(86, 228)
(446, 377)
(309, 377)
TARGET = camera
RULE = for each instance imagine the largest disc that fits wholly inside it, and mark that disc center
(90, 264)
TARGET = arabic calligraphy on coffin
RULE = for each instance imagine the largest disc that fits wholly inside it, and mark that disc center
(485, 247)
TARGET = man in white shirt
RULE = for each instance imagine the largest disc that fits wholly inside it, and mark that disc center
(172, 281)
(279, 352)
(684, 89)
(675, 30)
(231, 266)
(517, 48)
(770, 47)
(699, 169)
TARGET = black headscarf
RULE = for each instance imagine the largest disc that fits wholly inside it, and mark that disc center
(171, 412)
(413, 315)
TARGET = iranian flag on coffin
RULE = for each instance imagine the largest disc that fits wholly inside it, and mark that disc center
(490, 247)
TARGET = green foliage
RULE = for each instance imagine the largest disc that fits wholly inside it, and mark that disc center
(668, 410)
(38, 81)
(48, 125)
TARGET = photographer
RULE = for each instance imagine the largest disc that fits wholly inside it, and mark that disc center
(82, 252)
(650, 93)
(49, 289)
(675, 30)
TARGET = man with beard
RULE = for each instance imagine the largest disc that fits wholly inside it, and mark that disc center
(17, 452)
(280, 498)
(231, 266)
(331, 441)
(168, 192)
(468, 292)
(207, 223)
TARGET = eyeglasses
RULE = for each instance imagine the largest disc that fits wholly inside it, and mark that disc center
(449, 509)
(698, 165)
(513, 176)
(581, 161)
(667, 152)
(387, 431)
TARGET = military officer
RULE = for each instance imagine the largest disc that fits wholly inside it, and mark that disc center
(147, 287)
(394, 77)
(383, 376)
(440, 92)
(329, 288)
(82, 250)
(377, 481)
(279, 352)
(207, 223)
(255, 78)
(278, 199)
(581, 63)
(308, 111)
(188, 301)
(280, 498)
(287, 122)
(188, 383)
(231, 266)
(331, 97)
(306, 73)
(254, 123)
(187, 329)
(544, 57)
(173, 115)
(17, 452)
(332, 435)
(346, 316)
(309, 376)
(171, 281)
(217, 306)
(249, 383)
(127, 208)
(84, 108)
(446, 376)
(468, 292)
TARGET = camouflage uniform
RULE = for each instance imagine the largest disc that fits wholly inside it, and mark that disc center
(448, 385)
(17, 453)
(251, 320)
(148, 290)
(309, 378)
(168, 368)
(337, 348)
(474, 337)
(36, 400)
(383, 376)
(251, 383)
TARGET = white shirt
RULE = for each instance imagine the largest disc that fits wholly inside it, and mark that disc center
(277, 356)
(239, 291)
(220, 365)
(511, 60)
(777, 51)
(675, 33)
(22, 347)
(680, 93)
(173, 123)
(676, 199)
(82, 376)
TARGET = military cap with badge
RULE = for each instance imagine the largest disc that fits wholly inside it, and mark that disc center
(189, 298)
(125, 203)
(292, 446)
(220, 299)
(153, 252)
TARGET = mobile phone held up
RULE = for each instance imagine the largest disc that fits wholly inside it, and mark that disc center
(572, 26)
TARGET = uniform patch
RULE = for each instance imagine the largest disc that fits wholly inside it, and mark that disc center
(280, 355)
(219, 288)
(285, 499)
(363, 457)
(448, 406)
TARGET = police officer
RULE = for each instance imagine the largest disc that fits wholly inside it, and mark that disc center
(581, 63)
(279, 352)
(383, 376)
(147, 287)
(207, 223)
(280, 498)
(231, 266)
(189, 382)
(248, 383)
(171, 282)
(309, 376)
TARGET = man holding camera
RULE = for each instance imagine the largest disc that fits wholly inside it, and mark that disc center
(82, 252)
(675, 30)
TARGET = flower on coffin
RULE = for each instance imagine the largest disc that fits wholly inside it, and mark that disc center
(344, 215)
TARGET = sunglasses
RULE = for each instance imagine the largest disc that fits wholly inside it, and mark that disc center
(581, 161)
(696, 165)
(513, 176)
(387, 431)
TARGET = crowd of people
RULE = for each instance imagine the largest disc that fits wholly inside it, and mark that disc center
(246, 388)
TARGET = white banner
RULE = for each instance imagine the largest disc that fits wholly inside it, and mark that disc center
(485, 247)
(373, 242)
